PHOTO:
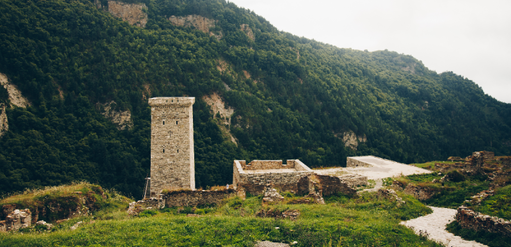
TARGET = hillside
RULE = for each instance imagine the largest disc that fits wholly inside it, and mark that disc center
(86, 76)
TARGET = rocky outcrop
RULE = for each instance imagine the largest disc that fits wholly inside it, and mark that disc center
(120, 118)
(222, 113)
(4, 125)
(219, 108)
(133, 13)
(202, 23)
(248, 31)
(470, 219)
(16, 220)
(15, 96)
(350, 139)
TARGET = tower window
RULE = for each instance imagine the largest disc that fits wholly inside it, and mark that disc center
(163, 122)
(178, 150)
(177, 122)
(163, 150)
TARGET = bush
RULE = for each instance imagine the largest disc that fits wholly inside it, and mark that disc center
(148, 213)
(455, 176)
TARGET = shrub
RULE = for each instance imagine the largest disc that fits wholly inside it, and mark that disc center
(148, 213)
(455, 176)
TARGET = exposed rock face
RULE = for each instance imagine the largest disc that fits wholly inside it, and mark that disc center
(15, 96)
(218, 107)
(131, 12)
(248, 31)
(351, 140)
(467, 218)
(202, 23)
(4, 125)
(16, 220)
(121, 118)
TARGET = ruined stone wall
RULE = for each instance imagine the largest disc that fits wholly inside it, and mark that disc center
(172, 154)
(351, 162)
(16, 220)
(333, 185)
(469, 219)
(196, 197)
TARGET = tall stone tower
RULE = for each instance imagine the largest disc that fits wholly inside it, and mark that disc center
(172, 156)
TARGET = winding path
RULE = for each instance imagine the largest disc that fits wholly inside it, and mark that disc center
(434, 225)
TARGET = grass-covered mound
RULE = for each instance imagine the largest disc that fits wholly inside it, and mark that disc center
(65, 201)
(342, 221)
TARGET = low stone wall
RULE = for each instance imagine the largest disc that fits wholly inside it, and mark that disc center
(332, 185)
(351, 162)
(354, 180)
(470, 219)
(192, 198)
(254, 183)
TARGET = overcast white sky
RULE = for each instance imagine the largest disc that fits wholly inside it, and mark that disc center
(471, 38)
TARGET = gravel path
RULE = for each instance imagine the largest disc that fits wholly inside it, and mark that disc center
(434, 225)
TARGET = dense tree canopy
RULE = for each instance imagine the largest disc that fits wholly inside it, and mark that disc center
(67, 56)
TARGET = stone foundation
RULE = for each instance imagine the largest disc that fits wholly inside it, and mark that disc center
(469, 219)
(193, 198)
(332, 185)
(253, 177)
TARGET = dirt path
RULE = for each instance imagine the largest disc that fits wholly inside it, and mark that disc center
(434, 225)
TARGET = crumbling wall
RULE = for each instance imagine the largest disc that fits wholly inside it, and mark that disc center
(420, 193)
(470, 219)
(16, 220)
(192, 198)
(332, 185)
(353, 180)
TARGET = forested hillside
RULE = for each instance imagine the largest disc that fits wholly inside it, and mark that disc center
(292, 97)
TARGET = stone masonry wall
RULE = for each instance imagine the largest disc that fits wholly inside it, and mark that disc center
(196, 197)
(255, 183)
(332, 185)
(350, 162)
(172, 153)
(16, 220)
(467, 218)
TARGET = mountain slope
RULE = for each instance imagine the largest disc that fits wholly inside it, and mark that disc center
(291, 97)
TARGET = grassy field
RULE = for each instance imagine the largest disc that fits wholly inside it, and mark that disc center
(364, 221)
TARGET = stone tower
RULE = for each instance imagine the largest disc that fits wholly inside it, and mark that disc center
(172, 156)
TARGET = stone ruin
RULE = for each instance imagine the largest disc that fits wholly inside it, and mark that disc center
(16, 220)
(253, 177)
(470, 219)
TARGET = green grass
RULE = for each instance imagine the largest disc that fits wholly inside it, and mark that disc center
(431, 165)
(484, 237)
(343, 221)
(498, 205)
